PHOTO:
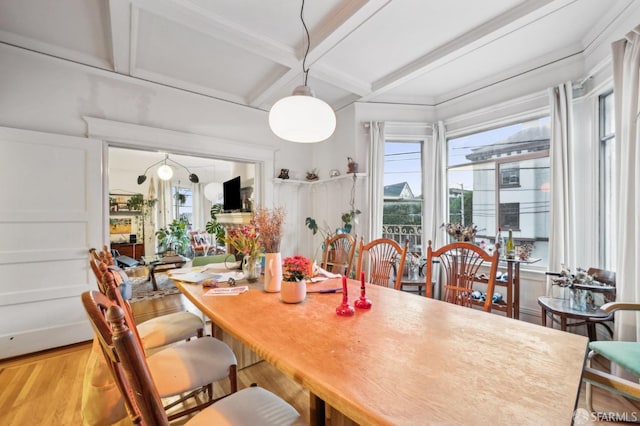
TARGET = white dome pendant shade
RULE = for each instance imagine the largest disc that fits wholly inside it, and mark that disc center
(302, 117)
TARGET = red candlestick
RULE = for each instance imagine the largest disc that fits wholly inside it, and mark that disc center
(362, 302)
(345, 309)
(344, 286)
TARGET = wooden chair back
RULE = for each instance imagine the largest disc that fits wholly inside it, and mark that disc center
(605, 277)
(338, 254)
(379, 258)
(459, 265)
(126, 359)
(200, 243)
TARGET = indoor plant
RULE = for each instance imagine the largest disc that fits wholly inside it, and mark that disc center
(245, 240)
(296, 270)
(173, 237)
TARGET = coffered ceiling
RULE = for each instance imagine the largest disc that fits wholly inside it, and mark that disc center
(250, 51)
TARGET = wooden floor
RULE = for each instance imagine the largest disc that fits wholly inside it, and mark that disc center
(46, 388)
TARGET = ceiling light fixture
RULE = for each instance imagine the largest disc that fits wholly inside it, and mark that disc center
(302, 117)
(165, 172)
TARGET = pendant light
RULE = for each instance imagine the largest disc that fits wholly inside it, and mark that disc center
(165, 171)
(302, 117)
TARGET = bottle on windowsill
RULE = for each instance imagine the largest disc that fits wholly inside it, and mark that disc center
(499, 243)
(510, 249)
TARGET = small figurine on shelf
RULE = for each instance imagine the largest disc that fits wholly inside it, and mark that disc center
(284, 174)
(312, 175)
(352, 166)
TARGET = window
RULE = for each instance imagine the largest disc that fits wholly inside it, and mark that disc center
(510, 216)
(183, 204)
(607, 180)
(509, 178)
(503, 176)
(402, 209)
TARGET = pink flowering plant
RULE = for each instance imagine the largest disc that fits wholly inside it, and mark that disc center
(245, 239)
(295, 268)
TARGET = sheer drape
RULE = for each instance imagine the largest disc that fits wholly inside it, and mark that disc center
(562, 233)
(435, 186)
(164, 206)
(199, 218)
(626, 75)
(376, 183)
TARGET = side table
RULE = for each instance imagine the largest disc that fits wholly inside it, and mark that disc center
(553, 306)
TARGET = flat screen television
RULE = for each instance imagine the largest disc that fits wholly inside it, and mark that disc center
(231, 194)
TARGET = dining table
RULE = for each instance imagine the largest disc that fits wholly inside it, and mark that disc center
(408, 360)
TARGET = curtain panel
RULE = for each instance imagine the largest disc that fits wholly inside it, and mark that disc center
(562, 233)
(376, 183)
(626, 75)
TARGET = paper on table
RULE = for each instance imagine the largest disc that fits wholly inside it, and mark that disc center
(327, 273)
(226, 291)
(194, 277)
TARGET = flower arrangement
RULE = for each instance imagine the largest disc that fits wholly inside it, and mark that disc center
(461, 233)
(295, 268)
(244, 239)
(269, 227)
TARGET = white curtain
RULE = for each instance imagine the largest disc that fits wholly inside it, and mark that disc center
(199, 207)
(376, 183)
(164, 206)
(626, 75)
(562, 233)
(435, 187)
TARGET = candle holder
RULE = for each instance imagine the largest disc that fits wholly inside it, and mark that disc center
(362, 302)
(345, 309)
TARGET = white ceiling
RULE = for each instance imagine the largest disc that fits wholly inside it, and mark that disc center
(250, 51)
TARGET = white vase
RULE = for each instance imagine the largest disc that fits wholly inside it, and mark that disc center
(293, 291)
(272, 272)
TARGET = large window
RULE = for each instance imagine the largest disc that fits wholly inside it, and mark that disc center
(183, 204)
(402, 210)
(607, 180)
(500, 179)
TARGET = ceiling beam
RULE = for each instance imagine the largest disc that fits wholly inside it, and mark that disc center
(120, 18)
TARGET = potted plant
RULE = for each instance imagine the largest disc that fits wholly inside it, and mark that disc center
(214, 227)
(173, 238)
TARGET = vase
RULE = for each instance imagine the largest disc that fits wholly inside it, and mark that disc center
(272, 272)
(293, 291)
(251, 268)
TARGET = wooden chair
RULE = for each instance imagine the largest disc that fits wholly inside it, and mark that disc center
(625, 354)
(144, 381)
(155, 332)
(184, 369)
(201, 243)
(379, 258)
(338, 254)
(459, 264)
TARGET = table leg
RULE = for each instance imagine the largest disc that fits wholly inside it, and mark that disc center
(544, 317)
(152, 269)
(317, 416)
(510, 290)
(591, 331)
(516, 290)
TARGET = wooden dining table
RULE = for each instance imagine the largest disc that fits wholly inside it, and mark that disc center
(408, 360)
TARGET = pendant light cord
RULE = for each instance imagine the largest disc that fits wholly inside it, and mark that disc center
(305, 70)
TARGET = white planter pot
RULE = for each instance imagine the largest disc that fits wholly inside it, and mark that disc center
(293, 291)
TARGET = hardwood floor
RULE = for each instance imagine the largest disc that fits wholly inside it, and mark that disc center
(46, 388)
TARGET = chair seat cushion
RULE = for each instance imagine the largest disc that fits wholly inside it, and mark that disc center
(170, 328)
(188, 365)
(250, 406)
(625, 354)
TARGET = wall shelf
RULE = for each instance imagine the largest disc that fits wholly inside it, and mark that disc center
(319, 181)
